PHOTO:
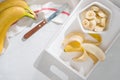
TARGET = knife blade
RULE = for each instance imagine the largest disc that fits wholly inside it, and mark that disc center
(44, 21)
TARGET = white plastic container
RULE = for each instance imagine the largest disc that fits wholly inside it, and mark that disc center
(50, 62)
(107, 11)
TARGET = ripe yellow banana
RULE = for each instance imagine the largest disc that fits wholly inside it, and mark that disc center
(10, 3)
(7, 18)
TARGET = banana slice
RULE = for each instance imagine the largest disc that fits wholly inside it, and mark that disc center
(97, 19)
(92, 25)
(95, 8)
(99, 28)
(101, 14)
(103, 22)
(85, 23)
(90, 14)
(95, 50)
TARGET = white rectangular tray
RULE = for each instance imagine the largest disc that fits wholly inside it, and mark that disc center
(50, 57)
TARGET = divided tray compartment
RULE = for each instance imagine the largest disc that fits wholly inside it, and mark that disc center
(50, 62)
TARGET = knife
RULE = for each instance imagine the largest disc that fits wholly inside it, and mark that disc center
(44, 21)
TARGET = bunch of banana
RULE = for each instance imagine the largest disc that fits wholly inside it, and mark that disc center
(10, 3)
(10, 12)
(76, 42)
(95, 19)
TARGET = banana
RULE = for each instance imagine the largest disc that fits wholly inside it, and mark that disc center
(95, 50)
(97, 19)
(101, 14)
(85, 47)
(90, 14)
(94, 58)
(86, 23)
(103, 22)
(83, 57)
(99, 28)
(74, 40)
(10, 3)
(73, 36)
(70, 48)
(72, 43)
(92, 25)
(95, 8)
(7, 18)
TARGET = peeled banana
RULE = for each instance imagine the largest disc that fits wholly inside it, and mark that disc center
(74, 36)
(83, 57)
(93, 49)
(10, 3)
(7, 18)
(86, 47)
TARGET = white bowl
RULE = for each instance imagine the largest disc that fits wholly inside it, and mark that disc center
(102, 7)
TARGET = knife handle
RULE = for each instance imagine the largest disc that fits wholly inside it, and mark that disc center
(35, 29)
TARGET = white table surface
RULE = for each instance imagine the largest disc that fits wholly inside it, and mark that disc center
(17, 62)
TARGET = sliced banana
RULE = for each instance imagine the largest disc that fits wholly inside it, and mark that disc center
(95, 8)
(85, 23)
(99, 28)
(90, 14)
(103, 22)
(92, 25)
(97, 19)
(101, 14)
(95, 50)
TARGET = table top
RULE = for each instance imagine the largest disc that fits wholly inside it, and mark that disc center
(17, 62)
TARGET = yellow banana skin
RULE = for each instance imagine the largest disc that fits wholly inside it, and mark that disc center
(7, 18)
(10, 3)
